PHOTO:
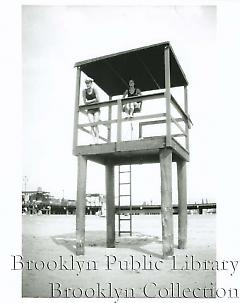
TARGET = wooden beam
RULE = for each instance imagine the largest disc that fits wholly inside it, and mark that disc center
(146, 144)
(180, 150)
(178, 125)
(109, 119)
(77, 96)
(186, 111)
(110, 205)
(119, 121)
(145, 123)
(81, 205)
(105, 123)
(178, 135)
(88, 132)
(167, 95)
(184, 114)
(182, 204)
(166, 202)
(124, 101)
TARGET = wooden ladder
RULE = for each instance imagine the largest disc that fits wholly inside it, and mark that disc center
(126, 219)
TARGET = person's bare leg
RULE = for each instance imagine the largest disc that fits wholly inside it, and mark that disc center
(96, 129)
(131, 110)
(91, 120)
(127, 110)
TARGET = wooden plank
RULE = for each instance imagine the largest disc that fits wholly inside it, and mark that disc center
(77, 96)
(178, 125)
(89, 132)
(145, 144)
(100, 122)
(184, 114)
(179, 150)
(109, 119)
(105, 123)
(95, 149)
(119, 121)
(182, 204)
(110, 205)
(145, 123)
(81, 205)
(166, 202)
(178, 135)
(167, 95)
(124, 101)
(186, 111)
(152, 122)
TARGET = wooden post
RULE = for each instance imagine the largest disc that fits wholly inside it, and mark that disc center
(76, 113)
(186, 112)
(119, 122)
(81, 205)
(166, 202)
(182, 204)
(167, 95)
(110, 205)
(109, 118)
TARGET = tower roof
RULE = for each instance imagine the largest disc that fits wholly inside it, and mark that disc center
(145, 65)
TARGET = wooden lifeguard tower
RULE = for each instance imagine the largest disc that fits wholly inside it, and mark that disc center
(155, 70)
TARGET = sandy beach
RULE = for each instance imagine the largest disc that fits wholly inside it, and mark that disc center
(134, 268)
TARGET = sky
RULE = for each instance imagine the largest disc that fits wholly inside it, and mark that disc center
(55, 37)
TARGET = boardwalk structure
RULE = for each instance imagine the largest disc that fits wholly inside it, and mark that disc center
(156, 71)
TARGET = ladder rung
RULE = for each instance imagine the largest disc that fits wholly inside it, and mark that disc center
(127, 216)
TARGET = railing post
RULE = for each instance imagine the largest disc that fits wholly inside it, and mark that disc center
(186, 112)
(109, 118)
(76, 112)
(167, 95)
(119, 122)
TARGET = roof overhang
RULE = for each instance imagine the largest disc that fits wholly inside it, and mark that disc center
(144, 65)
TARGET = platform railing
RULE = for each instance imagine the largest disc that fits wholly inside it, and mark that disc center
(148, 119)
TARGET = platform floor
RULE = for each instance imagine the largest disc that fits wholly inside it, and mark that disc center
(146, 150)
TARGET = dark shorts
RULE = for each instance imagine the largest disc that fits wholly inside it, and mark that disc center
(93, 111)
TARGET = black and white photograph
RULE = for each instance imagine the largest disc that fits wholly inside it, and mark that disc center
(125, 177)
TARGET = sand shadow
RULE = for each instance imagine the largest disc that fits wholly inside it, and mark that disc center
(145, 244)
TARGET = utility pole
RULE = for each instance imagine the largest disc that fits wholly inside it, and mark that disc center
(25, 181)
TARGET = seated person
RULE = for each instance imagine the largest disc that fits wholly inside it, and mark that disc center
(130, 108)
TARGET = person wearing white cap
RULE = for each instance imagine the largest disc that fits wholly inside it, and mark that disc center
(90, 96)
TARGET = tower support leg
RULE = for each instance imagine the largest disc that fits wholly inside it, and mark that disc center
(110, 205)
(81, 205)
(182, 204)
(166, 202)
